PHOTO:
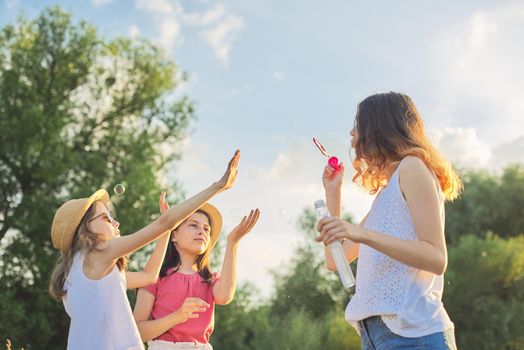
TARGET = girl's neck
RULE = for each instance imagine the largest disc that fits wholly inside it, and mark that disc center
(187, 263)
(390, 169)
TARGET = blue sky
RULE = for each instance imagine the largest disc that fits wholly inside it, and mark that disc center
(267, 76)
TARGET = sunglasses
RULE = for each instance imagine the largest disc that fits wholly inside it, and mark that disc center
(107, 216)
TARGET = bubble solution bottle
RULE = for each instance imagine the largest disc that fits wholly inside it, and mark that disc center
(344, 270)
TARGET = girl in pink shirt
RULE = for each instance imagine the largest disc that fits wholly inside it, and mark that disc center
(177, 312)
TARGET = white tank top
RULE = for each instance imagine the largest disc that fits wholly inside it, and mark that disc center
(408, 299)
(101, 316)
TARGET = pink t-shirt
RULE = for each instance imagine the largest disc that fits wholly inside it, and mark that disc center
(170, 293)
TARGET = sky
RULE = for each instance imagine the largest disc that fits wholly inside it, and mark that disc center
(268, 76)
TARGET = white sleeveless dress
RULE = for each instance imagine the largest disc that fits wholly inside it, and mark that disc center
(408, 299)
(101, 316)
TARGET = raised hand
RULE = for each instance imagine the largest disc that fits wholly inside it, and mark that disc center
(162, 204)
(244, 227)
(332, 179)
(227, 180)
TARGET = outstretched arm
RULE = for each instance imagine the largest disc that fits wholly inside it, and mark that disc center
(224, 289)
(149, 274)
(117, 247)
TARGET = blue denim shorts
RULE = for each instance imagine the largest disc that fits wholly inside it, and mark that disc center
(377, 336)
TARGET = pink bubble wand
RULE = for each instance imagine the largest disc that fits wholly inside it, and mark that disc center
(332, 161)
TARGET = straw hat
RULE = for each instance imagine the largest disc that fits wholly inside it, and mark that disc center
(68, 217)
(215, 221)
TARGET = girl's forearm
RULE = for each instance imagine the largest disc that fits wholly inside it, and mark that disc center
(330, 262)
(152, 329)
(333, 202)
(417, 254)
(351, 250)
(178, 213)
(154, 263)
(225, 290)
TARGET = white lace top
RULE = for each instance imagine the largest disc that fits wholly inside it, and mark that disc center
(408, 299)
(101, 316)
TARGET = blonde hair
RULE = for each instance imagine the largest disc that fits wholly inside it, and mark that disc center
(83, 240)
(389, 128)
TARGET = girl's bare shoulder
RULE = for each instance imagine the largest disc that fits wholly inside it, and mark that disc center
(414, 166)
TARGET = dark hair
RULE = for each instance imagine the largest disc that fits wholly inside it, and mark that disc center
(172, 259)
(389, 128)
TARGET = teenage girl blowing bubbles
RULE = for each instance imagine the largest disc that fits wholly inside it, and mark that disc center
(177, 312)
(400, 244)
(90, 276)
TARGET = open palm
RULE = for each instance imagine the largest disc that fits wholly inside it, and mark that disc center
(244, 227)
(230, 175)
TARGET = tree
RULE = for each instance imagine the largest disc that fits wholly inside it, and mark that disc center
(77, 113)
(307, 285)
(338, 336)
(485, 292)
(306, 281)
(308, 303)
(296, 330)
(489, 203)
(238, 323)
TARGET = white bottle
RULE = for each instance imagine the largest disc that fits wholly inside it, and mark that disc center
(344, 270)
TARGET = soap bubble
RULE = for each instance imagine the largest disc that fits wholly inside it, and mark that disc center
(280, 212)
(352, 154)
(235, 214)
(252, 172)
(119, 189)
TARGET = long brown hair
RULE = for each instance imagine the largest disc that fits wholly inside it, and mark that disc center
(388, 128)
(83, 240)
(172, 258)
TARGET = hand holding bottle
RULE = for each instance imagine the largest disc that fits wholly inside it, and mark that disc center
(337, 251)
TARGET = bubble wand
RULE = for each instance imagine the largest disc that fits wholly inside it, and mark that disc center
(332, 161)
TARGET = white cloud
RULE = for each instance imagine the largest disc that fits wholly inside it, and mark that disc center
(166, 16)
(216, 27)
(481, 28)
(461, 146)
(99, 3)
(246, 88)
(277, 75)
(222, 35)
(509, 152)
(9, 4)
(206, 18)
(169, 32)
(134, 31)
(478, 76)
(155, 6)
